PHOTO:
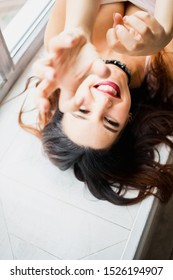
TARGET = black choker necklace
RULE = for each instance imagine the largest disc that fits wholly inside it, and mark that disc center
(121, 66)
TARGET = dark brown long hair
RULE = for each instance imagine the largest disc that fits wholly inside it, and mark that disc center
(130, 163)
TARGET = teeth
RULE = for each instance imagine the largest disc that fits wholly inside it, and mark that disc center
(107, 88)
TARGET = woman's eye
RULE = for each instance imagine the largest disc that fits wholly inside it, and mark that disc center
(111, 122)
(84, 111)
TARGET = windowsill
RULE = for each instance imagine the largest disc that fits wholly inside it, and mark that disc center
(23, 37)
(48, 214)
(15, 36)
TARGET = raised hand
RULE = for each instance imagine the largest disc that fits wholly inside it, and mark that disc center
(137, 34)
(71, 58)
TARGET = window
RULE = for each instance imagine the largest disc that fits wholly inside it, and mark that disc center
(8, 9)
(20, 39)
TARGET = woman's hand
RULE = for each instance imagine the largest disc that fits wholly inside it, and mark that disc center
(71, 58)
(137, 34)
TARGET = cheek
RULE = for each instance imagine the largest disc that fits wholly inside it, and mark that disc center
(122, 112)
(83, 95)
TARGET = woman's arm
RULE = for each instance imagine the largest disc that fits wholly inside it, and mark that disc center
(71, 54)
(164, 15)
(81, 14)
(56, 22)
(68, 14)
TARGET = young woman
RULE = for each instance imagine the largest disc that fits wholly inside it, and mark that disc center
(111, 133)
(99, 28)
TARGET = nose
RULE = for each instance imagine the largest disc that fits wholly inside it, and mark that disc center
(101, 104)
(102, 101)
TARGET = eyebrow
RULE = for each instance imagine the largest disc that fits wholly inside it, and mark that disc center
(105, 126)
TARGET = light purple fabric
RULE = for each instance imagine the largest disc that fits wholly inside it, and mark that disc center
(146, 5)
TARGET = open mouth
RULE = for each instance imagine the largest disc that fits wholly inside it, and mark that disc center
(109, 88)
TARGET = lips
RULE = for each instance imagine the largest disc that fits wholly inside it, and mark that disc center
(109, 87)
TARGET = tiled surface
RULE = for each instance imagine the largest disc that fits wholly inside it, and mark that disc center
(24, 250)
(55, 226)
(48, 214)
(5, 246)
(34, 170)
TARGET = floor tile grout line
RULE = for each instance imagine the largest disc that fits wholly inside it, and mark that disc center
(104, 248)
(131, 216)
(32, 244)
(6, 226)
(68, 203)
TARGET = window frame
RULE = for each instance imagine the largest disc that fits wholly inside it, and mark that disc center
(16, 53)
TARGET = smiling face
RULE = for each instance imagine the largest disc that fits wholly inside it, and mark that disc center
(103, 113)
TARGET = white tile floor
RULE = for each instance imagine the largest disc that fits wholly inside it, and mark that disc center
(46, 213)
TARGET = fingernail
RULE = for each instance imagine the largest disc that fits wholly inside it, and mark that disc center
(114, 15)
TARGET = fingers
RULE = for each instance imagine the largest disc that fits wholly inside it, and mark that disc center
(41, 94)
(138, 25)
(145, 25)
(43, 104)
(111, 35)
(70, 104)
(44, 68)
(45, 72)
(114, 41)
(123, 40)
(128, 38)
(59, 42)
(118, 19)
(148, 20)
(128, 31)
(66, 40)
(137, 34)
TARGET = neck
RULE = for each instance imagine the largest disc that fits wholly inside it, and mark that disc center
(136, 65)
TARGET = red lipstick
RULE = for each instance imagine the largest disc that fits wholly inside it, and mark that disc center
(112, 88)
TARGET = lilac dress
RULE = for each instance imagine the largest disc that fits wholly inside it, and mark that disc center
(146, 5)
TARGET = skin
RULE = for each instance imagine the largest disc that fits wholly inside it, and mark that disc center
(131, 33)
(77, 124)
(98, 107)
(101, 115)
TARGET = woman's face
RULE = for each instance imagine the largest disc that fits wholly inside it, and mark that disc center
(103, 113)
